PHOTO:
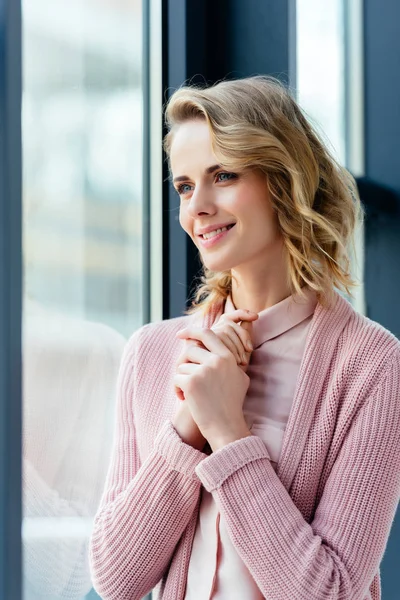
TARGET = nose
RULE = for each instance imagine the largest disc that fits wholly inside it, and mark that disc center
(201, 203)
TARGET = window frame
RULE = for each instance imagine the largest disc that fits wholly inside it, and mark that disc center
(10, 299)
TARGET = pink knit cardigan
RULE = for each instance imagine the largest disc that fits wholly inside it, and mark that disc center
(316, 529)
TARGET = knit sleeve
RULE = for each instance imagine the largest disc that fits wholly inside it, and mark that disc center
(337, 555)
(146, 506)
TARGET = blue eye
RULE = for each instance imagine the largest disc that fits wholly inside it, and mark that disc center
(229, 176)
(180, 188)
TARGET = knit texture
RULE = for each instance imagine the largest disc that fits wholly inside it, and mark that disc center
(316, 529)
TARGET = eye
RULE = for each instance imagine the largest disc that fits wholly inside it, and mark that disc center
(181, 188)
(226, 176)
(222, 176)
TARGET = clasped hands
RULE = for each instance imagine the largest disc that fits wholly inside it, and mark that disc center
(211, 380)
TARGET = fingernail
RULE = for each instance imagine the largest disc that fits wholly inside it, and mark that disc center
(250, 346)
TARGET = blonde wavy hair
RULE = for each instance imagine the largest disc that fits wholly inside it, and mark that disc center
(256, 124)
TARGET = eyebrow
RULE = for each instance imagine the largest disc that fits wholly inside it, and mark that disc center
(208, 171)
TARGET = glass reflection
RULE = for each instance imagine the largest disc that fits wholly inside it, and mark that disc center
(82, 234)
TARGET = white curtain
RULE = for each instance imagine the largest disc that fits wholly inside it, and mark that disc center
(70, 369)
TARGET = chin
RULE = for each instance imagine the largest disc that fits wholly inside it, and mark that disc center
(217, 265)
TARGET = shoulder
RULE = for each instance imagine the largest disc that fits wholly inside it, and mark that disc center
(368, 347)
(358, 350)
(366, 333)
(375, 369)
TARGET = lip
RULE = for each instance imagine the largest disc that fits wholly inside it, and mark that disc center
(215, 239)
(203, 230)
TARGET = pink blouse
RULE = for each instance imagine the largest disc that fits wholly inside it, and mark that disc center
(216, 570)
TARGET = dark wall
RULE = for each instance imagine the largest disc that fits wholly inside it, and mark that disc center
(250, 38)
(382, 91)
(382, 158)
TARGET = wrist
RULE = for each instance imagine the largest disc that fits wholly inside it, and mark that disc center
(220, 439)
(187, 429)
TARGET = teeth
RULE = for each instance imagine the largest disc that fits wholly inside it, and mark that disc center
(211, 234)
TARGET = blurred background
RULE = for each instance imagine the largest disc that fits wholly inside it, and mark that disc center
(101, 248)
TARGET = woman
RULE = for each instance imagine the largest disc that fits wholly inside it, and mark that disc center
(274, 475)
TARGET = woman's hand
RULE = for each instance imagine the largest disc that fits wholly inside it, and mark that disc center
(187, 429)
(211, 381)
(235, 336)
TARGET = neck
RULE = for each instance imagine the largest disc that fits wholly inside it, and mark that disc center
(259, 289)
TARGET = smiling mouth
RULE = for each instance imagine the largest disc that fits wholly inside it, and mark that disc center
(211, 234)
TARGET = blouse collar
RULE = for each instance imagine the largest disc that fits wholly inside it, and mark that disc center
(280, 317)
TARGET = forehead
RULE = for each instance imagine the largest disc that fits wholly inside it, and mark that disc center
(191, 148)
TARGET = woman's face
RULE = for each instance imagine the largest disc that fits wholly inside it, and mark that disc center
(211, 198)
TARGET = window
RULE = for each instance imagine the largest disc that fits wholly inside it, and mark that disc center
(83, 275)
(321, 68)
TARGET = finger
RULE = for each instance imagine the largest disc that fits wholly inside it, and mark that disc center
(179, 393)
(238, 315)
(188, 344)
(194, 354)
(240, 339)
(209, 339)
(233, 343)
(248, 328)
(187, 368)
(243, 332)
(180, 381)
(193, 343)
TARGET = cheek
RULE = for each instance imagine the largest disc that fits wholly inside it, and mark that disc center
(185, 221)
(182, 219)
(237, 198)
(263, 220)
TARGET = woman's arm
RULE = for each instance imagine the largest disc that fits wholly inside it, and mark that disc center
(146, 507)
(337, 555)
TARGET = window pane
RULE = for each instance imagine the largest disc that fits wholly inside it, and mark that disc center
(321, 68)
(82, 154)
